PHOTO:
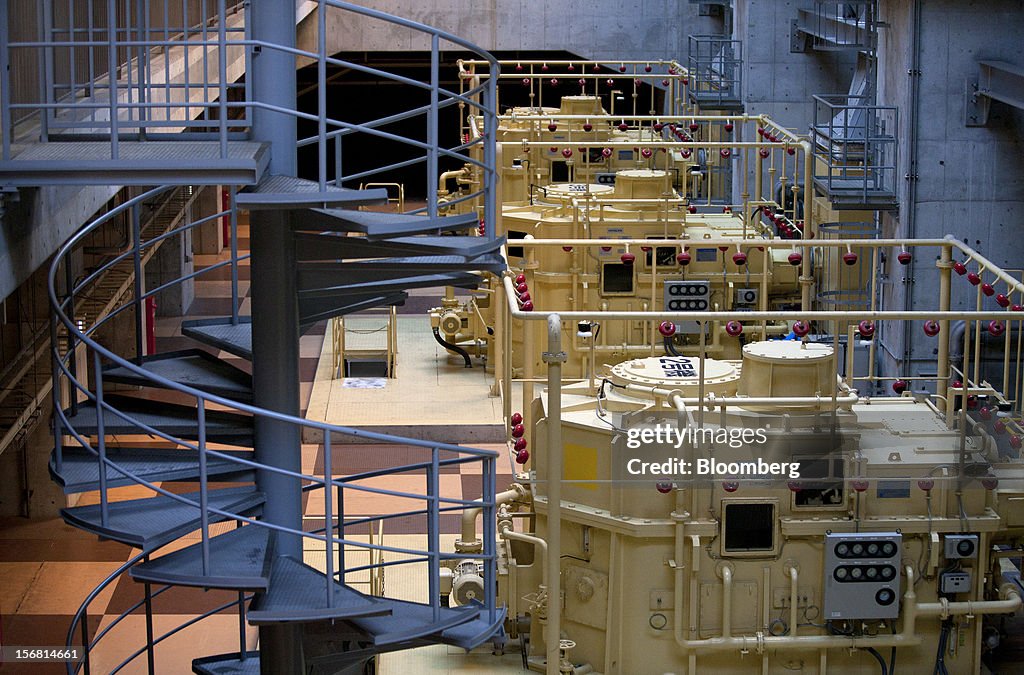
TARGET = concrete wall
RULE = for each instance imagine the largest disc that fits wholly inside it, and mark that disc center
(970, 182)
(777, 82)
(634, 29)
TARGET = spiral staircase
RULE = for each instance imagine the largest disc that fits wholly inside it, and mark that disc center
(204, 412)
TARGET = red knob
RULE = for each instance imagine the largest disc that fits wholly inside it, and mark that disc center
(526, 82)
(685, 152)
(519, 67)
(610, 82)
(859, 484)
(795, 258)
(734, 328)
(790, 151)
(850, 258)
(725, 152)
(985, 413)
(904, 257)
(739, 258)
(582, 82)
(1017, 308)
(683, 258)
(607, 152)
(523, 297)
(520, 278)
(645, 248)
(801, 328)
(523, 456)
(730, 486)
(988, 290)
(990, 482)
(553, 149)
(1015, 442)
(606, 248)
(520, 444)
(1002, 300)
(554, 81)
(972, 402)
(518, 430)
(931, 328)
(973, 278)
(647, 68)
(692, 208)
(671, 71)
(528, 306)
(685, 81)
(658, 126)
(760, 131)
(957, 384)
(694, 126)
(728, 127)
(667, 328)
(1000, 427)
(866, 329)
(587, 126)
(996, 328)
(960, 268)
(567, 249)
(567, 153)
(664, 488)
(627, 258)
(763, 153)
(517, 418)
(899, 386)
(664, 83)
(926, 484)
(622, 68)
(645, 153)
(552, 127)
(522, 288)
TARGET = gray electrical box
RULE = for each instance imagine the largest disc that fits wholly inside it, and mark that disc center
(862, 575)
(746, 297)
(955, 582)
(960, 546)
(687, 296)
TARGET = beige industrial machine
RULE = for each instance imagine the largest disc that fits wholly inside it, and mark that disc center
(708, 486)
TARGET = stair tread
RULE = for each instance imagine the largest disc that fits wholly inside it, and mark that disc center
(192, 367)
(458, 279)
(239, 559)
(171, 418)
(473, 633)
(299, 593)
(314, 246)
(378, 224)
(227, 664)
(312, 310)
(235, 338)
(411, 621)
(278, 191)
(417, 262)
(154, 521)
(80, 467)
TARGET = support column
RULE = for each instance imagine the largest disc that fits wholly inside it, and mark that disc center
(209, 236)
(275, 315)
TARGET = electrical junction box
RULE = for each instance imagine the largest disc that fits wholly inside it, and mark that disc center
(955, 582)
(960, 546)
(687, 296)
(746, 296)
(862, 576)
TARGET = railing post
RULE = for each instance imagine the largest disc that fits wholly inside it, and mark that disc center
(112, 75)
(85, 644)
(222, 76)
(69, 283)
(101, 438)
(328, 513)
(46, 77)
(242, 641)
(490, 536)
(433, 535)
(490, 113)
(432, 153)
(150, 652)
(6, 124)
(341, 530)
(233, 225)
(337, 160)
(138, 281)
(58, 426)
(204, 515)
(321, 96)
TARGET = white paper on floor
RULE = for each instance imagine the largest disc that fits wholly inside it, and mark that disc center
(364, 382)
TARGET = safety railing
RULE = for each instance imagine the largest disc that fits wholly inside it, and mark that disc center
(855, 151)
(715, 64)
(332, 534)
(836, 26)
(143, 96)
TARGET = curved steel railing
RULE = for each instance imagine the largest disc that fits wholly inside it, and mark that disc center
(72, 341)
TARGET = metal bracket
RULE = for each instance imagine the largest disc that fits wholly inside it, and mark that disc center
(798, 39)
(554, 357)
(996, 81)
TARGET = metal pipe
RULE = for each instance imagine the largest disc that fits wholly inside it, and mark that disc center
(554, 357)
(794, 575)
(726, 602)
(469, 543)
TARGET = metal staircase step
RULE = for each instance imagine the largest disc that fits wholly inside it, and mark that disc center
(80, 467)
(411, 621)
(163, 162)
(457, 279)
(228, 664)
(192, 367)
(480, 629)
(317, 246)
(289, 192)
(299, 593)
(239, 559)
(222, 333)
(173, 419)
(318, 275)
(312, 310)
(155, 521)
(379, 225)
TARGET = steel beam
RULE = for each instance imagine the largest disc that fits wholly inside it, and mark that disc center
(997, 81)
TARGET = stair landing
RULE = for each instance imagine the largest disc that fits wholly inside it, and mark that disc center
(138, 163)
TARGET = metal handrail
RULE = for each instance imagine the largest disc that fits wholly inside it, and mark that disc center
(79, 337)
